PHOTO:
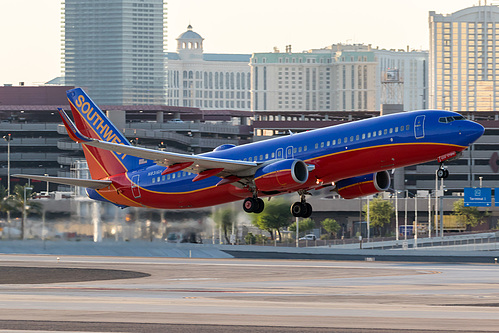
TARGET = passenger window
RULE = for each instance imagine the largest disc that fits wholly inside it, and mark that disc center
(401, 128)
(363, 136)
(164, 178)
(261, 157)
(251, 159)
(173, 176)
(357, 137)
(305, 148)
(379, 133)
(345, 140)
(391, 130)
(328, 143)
(369, 135)
(407, 127)
(272, 155)
(159, 179)
(351, 138)
(316, 145)
(396, 129)
(266, 156)
(385, 131)
(339, 141)
(168, 177)
(322, 144)
(255, 158)
(295, 150)
(374, 134)
(153, 180)
(299, 149)
(334, 142)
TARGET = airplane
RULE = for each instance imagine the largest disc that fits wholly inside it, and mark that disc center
(354, 158)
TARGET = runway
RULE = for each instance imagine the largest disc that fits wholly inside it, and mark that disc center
(124, 294)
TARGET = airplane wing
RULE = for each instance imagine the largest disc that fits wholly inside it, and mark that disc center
(202, 165)
(89, 183)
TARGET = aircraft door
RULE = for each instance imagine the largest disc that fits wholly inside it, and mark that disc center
(279, 153)
(289, 152)
(135, 186)
(419, 127)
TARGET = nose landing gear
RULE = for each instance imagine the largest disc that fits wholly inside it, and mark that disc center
(442, 172)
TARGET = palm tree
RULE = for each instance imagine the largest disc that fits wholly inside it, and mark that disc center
(15, 203)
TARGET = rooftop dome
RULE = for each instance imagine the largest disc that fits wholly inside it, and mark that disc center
(189, 34)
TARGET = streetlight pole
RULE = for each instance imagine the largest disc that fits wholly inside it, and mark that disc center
(368, 221)
(24, 211)
(429, 214)
(297, 222)
(8, 138)
(415, 224)
(405, 230)
(436, 203)
(396, 216)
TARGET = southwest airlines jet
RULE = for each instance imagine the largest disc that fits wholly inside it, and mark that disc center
(353, 157)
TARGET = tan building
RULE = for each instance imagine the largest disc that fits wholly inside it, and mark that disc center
(464, 59)
(320, 80)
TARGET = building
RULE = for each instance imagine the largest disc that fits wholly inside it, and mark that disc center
(464, 59)
(40, 144)
(207, 80)
(410, 84)
(315, 80)
(115, 49)
(338, 78)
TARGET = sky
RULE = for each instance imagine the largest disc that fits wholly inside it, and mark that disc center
(30, 30)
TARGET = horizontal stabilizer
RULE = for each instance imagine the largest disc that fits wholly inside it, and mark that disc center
(88, 183)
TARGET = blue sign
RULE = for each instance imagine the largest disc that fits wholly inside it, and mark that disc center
(477, 197)
(407, 232)
(496, 190)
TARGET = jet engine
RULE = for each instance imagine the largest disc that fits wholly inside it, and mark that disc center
(355, 187)
(281, 175)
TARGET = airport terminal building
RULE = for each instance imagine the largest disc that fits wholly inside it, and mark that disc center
(40, 144)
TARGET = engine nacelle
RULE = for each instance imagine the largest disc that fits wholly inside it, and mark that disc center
(281, 175)
(355, 187)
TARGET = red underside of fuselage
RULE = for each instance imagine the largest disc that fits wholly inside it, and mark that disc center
(330, 168)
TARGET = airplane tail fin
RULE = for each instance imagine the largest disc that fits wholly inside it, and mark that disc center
(92, 123)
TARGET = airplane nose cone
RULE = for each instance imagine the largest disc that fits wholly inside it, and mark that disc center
(472, 131)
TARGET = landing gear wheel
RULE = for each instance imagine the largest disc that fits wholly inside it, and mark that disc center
(261, 206)
(249, 205)
(308, 210)
(301, 209)
(253, 205)
(442, 173)
(297, 209)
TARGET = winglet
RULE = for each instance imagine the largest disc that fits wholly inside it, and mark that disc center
(73, 132)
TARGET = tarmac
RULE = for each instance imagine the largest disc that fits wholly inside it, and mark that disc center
(386, 251)
(47, 293)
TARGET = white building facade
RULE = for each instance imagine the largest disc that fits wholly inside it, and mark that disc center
(412, 68)
(464, 59)
(336, 78)
(204, 80)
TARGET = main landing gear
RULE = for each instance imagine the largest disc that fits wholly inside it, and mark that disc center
(253, 205)
(301, 208)
(442, 172)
